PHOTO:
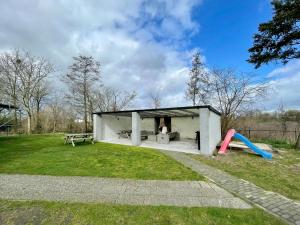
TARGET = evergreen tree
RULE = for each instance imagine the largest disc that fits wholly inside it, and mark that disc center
(278, 39)
(193, 89)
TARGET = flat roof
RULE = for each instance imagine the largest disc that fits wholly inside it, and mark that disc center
(186, 111)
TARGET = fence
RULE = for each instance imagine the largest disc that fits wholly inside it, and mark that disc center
(289, 135)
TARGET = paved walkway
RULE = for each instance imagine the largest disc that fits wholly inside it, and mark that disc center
(274, 203)
(187, 146)
(120, 191)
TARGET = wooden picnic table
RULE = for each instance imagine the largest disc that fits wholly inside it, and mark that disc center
(72, 138)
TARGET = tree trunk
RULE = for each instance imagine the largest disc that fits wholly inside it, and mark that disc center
(85, 108)
(54, 126)
(298, 142)
(194, 98)
(85, 114)
(15, 121)
(226, 123)
(15, 117)
(38, 121)
(29, 124)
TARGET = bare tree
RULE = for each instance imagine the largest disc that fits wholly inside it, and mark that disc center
(197, 72)
(21, 74)
(39, 96)
(82, 75)
(57, 111)
(9, 79)
(283, 118)
(155, 99)
(113, 100)
(233, 93)
(32, 72)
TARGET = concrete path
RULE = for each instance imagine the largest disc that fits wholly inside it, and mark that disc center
(274, 203)
(186, 146)
(119, 191)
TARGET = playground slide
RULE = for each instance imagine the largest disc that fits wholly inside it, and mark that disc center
(264, 154)
(226, 141)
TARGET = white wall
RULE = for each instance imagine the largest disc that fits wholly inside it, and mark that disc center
(148, 124)
(209, 125)
(97, 127)
(186, 126)
(136, 129)
(214, 130)
(210, 131)
(111, 126)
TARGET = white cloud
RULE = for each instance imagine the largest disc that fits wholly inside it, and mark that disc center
(137, 42)
(285, 83)
(290, 68)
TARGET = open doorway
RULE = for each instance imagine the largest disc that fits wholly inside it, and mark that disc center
(160, 121)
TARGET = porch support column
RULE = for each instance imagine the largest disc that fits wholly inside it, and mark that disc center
(136, 129)
(98, 127)
(205, 138)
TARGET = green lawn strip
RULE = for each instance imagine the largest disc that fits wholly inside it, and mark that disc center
(47, 155)
(281, 174)
(276, 143)
(38, 212)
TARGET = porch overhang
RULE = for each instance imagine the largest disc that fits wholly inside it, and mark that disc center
(5, 106)
(187, 111)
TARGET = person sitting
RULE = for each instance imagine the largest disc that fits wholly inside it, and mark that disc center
(164, 130)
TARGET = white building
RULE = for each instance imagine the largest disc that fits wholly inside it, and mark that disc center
(143, 127)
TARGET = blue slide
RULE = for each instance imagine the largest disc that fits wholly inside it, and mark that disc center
(264, 154)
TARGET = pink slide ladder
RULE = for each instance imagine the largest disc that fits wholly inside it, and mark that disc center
(226, 141)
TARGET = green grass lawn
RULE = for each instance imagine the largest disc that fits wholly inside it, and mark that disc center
(281, 174)
(276, 143)
(47, 155)
(67, 213)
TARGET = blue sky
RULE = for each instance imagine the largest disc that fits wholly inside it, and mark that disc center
(226, 30)
(146, 46)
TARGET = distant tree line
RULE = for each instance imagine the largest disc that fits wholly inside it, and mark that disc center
(281, 124)
(25, 82)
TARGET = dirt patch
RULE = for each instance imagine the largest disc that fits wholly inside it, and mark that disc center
(34, 215)
(295, 168)
(22, 216)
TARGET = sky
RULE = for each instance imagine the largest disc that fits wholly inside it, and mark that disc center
(146, 46)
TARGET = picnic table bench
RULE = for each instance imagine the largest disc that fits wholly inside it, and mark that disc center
(72, 138)
(124, 134)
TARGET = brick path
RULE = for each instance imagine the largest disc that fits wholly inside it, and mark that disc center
(274, 203)
(120, 191)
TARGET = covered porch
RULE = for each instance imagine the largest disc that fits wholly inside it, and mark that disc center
(143, 128)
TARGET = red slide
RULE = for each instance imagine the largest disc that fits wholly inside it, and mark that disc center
(226, 141)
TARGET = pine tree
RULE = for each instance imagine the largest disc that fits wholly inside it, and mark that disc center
(279, 38)
(193, 85)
